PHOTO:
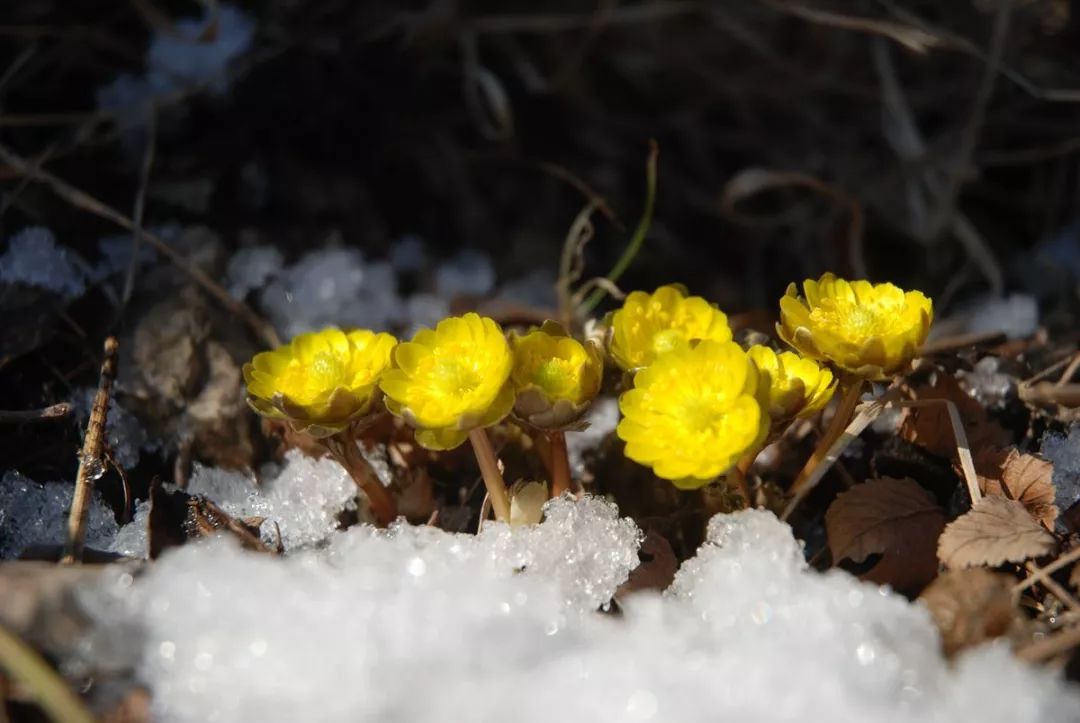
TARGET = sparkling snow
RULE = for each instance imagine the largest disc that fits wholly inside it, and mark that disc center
(416, 624)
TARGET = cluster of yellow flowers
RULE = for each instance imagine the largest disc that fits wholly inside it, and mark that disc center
(698, 403)
(462, 375)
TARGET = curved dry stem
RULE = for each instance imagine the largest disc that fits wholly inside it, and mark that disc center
(343, 448)
(848, 400)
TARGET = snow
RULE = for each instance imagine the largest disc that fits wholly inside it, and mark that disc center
(415, 623)
(177, 60)
(1064, 452)
(602, 417)
(332, 286)
(251, 268)
(125, 435)
(131, 539)
(408, 254)
(986, 383)
(467, 273)
(536, 289)
(1016, 315)
(189, 57)
(301, 501)
(36, 514)
(33, 258)
(116, 254)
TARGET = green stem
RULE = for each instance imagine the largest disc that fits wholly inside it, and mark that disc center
(640, 232)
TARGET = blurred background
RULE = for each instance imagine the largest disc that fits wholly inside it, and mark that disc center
(381, 164)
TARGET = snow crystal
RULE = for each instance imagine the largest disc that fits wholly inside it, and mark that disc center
(537, 289)
(408, 254)
(132, 539)
(354, 631)
(304, 498)
(467, 273)
(187, 55)
(424, 311)
(250, 268)
(332, 287)
(34, 514)
(986, 383)
(125, 435)
(602, 418)
(1064, 452)
(33, 258)
(116, 256)
(583, 546)
(175, 60)
(1017, 316)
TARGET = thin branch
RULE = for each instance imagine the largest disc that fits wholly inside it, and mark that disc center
(82, 200)
(55, 411)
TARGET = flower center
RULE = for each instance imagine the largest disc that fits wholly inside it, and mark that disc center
(667, 340)
(455, 376)
(303, 383)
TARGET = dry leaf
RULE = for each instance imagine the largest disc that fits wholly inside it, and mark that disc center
(930, 427)
(657, 568)
(996, 530)
(894, 518)
(970, 607)
(1022, 477)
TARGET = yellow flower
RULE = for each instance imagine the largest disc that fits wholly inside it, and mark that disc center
(648, 325)
(450, 380)
(870, 330)
(692, 413)
(789, 385)
(555, 377)
(321, 382)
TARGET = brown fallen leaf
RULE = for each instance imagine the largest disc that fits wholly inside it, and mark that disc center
(657, 568)
(894, 518)
(996, 530)
(1022, 477)
(970, 607)
(930, 427)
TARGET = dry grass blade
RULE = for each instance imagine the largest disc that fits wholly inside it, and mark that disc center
(90, 464)
(995, 531)
(866, 413)
(1048, 647)
(48, 689)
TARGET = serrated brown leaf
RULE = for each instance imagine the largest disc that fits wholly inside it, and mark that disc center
(930, 426)
(1022, 477)
(970, 606)
(996, 530)
(894, 518)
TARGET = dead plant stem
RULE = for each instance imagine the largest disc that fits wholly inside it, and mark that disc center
(489, 470)
(90, 463)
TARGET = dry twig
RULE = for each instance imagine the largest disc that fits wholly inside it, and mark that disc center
(90, 464)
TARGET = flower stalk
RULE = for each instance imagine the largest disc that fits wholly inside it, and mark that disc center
(560, 464)
(489, 470)
(342, 447)
(851, 392)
